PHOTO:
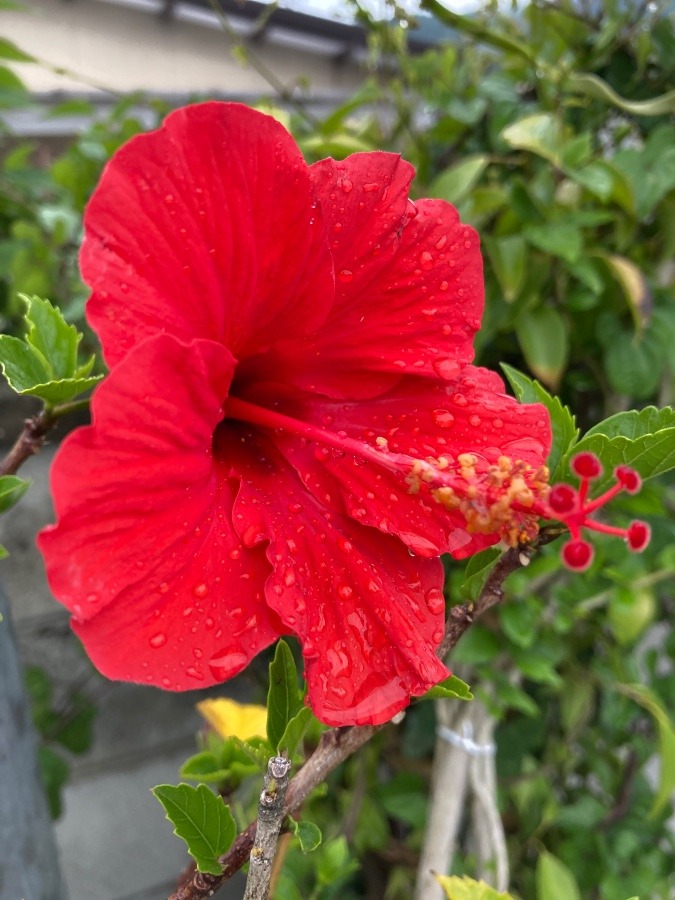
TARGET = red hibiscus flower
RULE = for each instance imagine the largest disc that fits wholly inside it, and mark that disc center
(291, 432)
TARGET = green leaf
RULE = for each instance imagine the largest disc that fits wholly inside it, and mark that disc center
(647, 699)
(49, 333)
(540, 134)
(508, 256)
(45, 365)
(453, 184)
(477, 570)
(201, 819)
(542, 334)
(644, 440)
(558, 239)
(307, 833)
(284, 700)
(633, 285)
(295, 730)
(466, 888)
(451, 687)
(563, 424)
(204, 766)
(593, 86)
(554, 880)
(12, 490)
(258, 751)
(4, 553)
(634, 362)
(9, 50)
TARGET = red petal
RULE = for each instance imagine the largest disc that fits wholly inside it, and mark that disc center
(409, 291)
(144, 553)
(206, 228)
(369, 615)
(419, 418)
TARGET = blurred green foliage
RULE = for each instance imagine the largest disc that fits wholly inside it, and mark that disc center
(551, 129)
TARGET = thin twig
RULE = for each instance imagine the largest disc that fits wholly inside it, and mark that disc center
(28, 442)
(268, 826)
(339, 744)
(34, 432)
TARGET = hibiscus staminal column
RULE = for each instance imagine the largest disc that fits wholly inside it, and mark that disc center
(504, 498)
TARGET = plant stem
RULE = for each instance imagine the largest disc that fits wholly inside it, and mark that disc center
(34, 432)
(268, 826)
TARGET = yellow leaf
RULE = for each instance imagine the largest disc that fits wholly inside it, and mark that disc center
(465, 888)
(229, 718)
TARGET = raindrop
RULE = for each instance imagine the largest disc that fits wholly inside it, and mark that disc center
(459, 399)
(251, 536)
(498, 423)
(345, 592)
(289, 577)
(200, 590)
(426, 260)
(345, 275)
(435, 601)
(158, 640)
(163, 587)
(446, 368)
(92, 598)
(475, 421)
(224, 663)
(347, 185)
(194, 673)
(371, 186)
(197, 652)
(188, 611)
(235, 554)
(443, 418)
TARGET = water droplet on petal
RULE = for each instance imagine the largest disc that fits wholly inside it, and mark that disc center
(435, 601)
(194, 673)
(200, 590)
(163, 587)
(345, 275)
(443, 418)
(344, 545)
(345, 592)
(289, 577)
(92, 598)
(498, 423)
(459, 399)
(446, 368)
(225, 663)
(347, 185)
(370, 186)
(475, 421)
(235, 554)
(158, 640)
(251, 536)
(426, 260)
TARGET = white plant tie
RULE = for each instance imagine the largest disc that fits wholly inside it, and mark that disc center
(465, 740)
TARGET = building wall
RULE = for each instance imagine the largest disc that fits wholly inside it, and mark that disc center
(124, 48)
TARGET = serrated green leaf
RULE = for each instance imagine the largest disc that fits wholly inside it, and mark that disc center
(12, 489)
(476, 573)
(44, 365)
(201, 819)
(642, 439)
(307, 833)
(554, 880)
(22, 365)
(466, 888)
(563, 424)
(295, 730)
(52, 337)
(451, 687)
(641, 694)
(284, 700)
(453, 184)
